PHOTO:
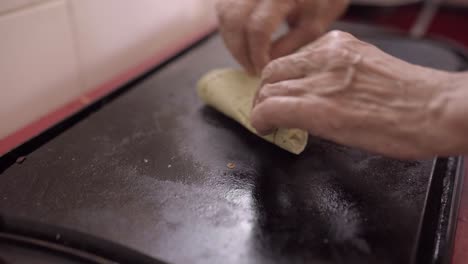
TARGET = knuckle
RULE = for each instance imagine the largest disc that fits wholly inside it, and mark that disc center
(270, 69)
(339, 39)
(339, 35)
(341, 55)
(267, 90)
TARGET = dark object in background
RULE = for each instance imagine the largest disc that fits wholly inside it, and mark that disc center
(446, 24)
(148, 171)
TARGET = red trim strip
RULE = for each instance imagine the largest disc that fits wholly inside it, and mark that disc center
(460, 253)
(35, 128)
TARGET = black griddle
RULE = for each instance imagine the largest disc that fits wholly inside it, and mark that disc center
(142, 177)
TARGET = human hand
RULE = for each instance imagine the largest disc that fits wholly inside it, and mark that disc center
(247, 27)
(345, 90)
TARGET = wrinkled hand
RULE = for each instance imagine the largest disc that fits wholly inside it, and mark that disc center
(350, 92)
(247, 27)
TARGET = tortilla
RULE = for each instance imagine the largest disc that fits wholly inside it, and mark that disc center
(231, 92)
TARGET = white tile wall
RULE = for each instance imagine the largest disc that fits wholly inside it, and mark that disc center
(115, 36)
(52, 51)
(38, 65)
(11, 5)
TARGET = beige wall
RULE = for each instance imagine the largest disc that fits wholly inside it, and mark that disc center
(52, 51)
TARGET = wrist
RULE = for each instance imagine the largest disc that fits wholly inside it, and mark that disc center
(451, 117)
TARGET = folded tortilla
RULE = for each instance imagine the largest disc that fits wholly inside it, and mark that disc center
(231, 92)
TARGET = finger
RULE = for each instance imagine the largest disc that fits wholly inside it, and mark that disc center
(309, 114)
(309, 24)
(312, 57)
(265, 20)
(316, 115)
(294, 88)
(313, 114)
(231, 15)
(287, 68)
(276, 112)
(292, 41)
(297, 65)
(238, 48)
(333, 39)
(308, 63)
(319, 84)
(294, 66)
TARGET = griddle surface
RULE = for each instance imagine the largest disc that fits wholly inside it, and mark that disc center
(149, 171)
